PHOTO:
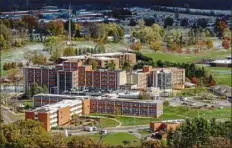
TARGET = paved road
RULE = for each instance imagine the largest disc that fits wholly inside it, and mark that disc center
(130, 129)
(8, 116)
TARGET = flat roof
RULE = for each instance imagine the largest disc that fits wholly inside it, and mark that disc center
(226, 61)
(58, 95)
(40, 67)
(127, 100)
(112, 54)
(55, 107)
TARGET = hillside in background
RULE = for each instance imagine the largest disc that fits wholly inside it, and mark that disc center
(34, 4)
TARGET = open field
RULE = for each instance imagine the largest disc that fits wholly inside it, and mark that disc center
(172, 113)
(116, 139)
(107, 122)
(174, 57)
(221, 75)
(17, 54)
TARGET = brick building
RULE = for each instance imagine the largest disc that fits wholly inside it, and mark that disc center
(155, 75)
(44, 99)
(66, 80)
(131, 107)
(137, 78)
(104, 57)
(43, 76)
(54, 115)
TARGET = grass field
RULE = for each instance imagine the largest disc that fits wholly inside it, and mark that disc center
(222, 75)
(107, 122)
(172, 113)
(173, 57)
(116, 139)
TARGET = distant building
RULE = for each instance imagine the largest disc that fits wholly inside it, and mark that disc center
(54, 115)
(165, 126)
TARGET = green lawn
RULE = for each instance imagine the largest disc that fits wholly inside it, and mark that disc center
(107, 122)
(172, 113)
(29, 103)
(174, 57)
(222, 75)
(144, 132)
(116, 139)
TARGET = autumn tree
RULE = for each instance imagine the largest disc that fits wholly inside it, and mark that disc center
(156, 46)
(136, 46)
(220, 25)
(92, 62)
(209, 44)
(25, 133)
(55, 27)
(30, 21)
(38, 59)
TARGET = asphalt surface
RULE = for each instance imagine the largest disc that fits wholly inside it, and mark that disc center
(8, 116)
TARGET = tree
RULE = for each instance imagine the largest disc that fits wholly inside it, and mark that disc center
(144, 96)
(58, 140)
(20, 65)
(136, 46)
(126, 66)
(25, 133)
(141, 23)
(3, 42)
(50, 42)
(209, 44)
(7, 23)
(94, 63)
(12, 73)
(184, 22)
(100, 48)
(166, 103)
(5, 32)
(197, 132)
(74, 27)
(79, 142)
(111, 65)
(149, 21)
(69, 51)
(126, 142)
(226, 44)
(132, 22)
(202, 22)
(30, 21)
(220, 25)
(38, 59)
(55, 27)
(155, 46)
(36, 89)
(168, 22)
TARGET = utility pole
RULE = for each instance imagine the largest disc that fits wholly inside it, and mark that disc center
(69, 29)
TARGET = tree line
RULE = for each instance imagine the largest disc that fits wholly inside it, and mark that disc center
(197, 132)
